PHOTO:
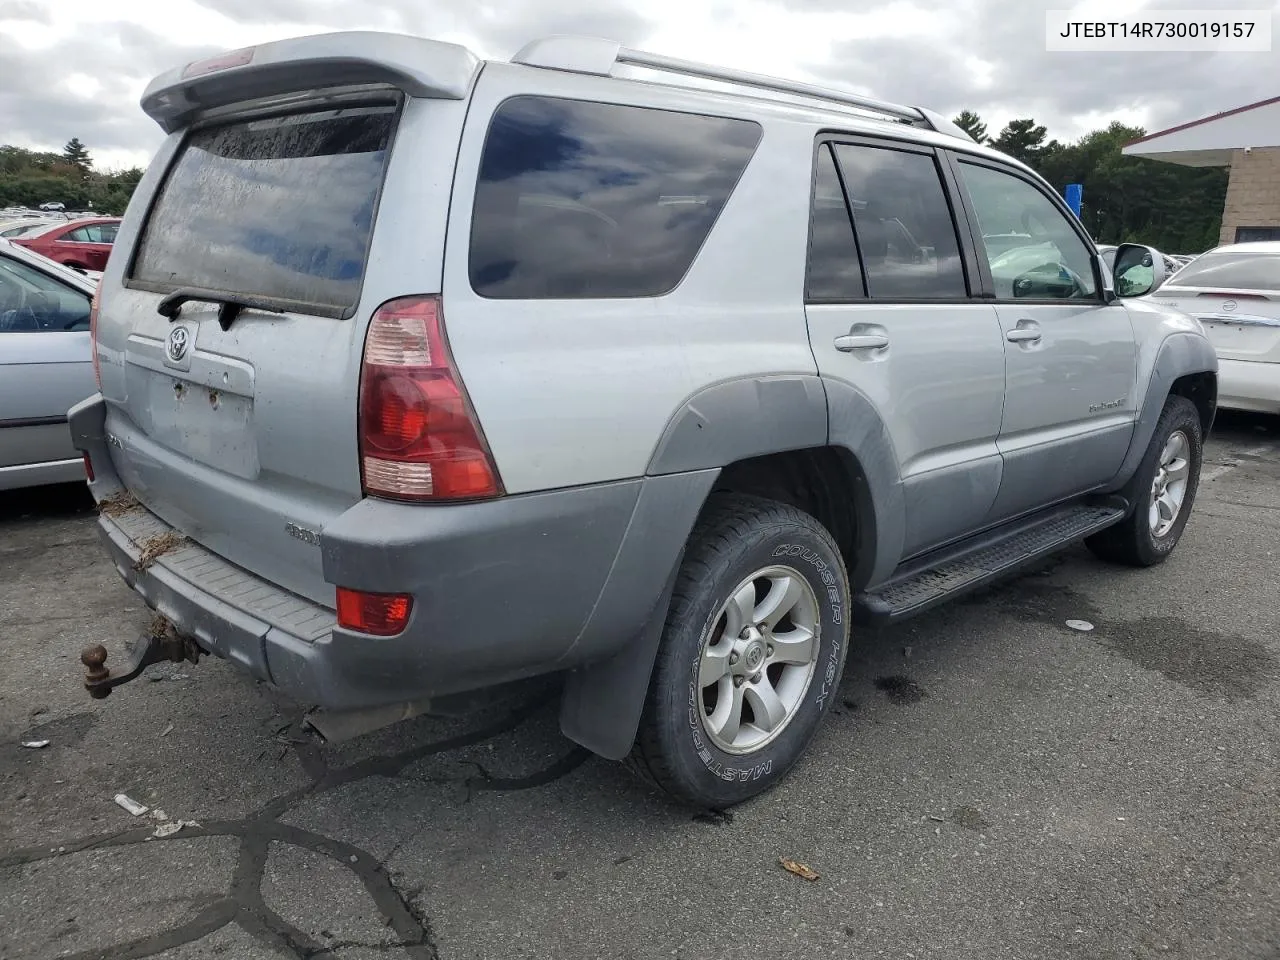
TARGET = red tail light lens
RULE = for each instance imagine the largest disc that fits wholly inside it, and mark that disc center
(419, 437)
(380, 614)
(93, 333)
(88, 468)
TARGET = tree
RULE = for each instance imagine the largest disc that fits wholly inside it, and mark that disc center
(1021, 139)
(972, 124)
(77, 155)
(30, 177)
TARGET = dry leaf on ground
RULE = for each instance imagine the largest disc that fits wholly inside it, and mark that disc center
(799, 869)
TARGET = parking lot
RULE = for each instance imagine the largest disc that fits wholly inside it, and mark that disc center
(992, 784)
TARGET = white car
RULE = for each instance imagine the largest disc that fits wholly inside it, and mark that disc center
(1234, 290)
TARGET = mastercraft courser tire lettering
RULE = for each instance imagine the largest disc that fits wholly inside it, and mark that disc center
(1164, 491)
(751, 655)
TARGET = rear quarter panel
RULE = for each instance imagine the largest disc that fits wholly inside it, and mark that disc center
(580, 391)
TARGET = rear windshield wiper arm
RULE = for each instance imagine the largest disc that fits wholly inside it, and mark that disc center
(230, 304)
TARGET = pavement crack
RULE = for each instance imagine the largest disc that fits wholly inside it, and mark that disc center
(244, 903)
(209, 920)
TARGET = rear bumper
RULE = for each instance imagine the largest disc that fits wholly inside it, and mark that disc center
(1249, 385)
(502, 590)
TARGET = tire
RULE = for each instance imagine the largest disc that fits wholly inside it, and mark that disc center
(1136, 541)
(678, 746)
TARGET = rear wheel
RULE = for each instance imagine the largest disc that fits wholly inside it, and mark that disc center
(1166, 488)
(751, 656)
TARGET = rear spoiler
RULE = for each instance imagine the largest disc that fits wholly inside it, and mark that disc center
(419, 67)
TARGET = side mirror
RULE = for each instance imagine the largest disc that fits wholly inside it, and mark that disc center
(1138, 270)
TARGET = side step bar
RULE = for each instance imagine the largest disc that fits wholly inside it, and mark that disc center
(976, 562)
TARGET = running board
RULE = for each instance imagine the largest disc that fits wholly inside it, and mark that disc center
(978, 561)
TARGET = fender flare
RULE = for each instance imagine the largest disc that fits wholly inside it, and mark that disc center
(611, 663)
(1181, 354)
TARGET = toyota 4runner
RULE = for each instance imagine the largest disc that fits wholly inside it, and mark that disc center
(422, 375)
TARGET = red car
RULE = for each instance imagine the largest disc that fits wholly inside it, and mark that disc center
(80, 244)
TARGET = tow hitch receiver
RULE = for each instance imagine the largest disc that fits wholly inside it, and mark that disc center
(160, 643)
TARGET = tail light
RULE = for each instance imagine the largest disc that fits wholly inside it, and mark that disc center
(419, 437)
(381, 614)
(93, 332)
(88, 468)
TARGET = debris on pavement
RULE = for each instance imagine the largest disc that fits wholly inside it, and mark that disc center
(799, 869)
(35, 744)
(169, 829)
(167, 730)
(129, 804)
(1084, 626)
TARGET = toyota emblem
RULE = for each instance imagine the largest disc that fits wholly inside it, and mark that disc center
(1228, 305)
(175, 347)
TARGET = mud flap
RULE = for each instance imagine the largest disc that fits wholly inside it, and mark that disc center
(601, 705)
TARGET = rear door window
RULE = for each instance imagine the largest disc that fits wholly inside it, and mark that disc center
(834, 271)
(94, 233)
(592, 200)
(281, 208)
(906, 234)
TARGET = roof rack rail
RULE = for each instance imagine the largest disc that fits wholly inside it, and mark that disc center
(599, 57)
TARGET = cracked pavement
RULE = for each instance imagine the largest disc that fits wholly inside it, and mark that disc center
(991, 784)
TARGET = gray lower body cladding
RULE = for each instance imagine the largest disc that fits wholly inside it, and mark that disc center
(502, 590)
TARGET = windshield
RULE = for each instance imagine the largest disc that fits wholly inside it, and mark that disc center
(33, 302)
(1231, 271)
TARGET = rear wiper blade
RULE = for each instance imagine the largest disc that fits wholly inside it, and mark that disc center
(230, 304)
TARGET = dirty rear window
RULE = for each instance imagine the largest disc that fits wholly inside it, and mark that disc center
(595, 200)
(281, 208)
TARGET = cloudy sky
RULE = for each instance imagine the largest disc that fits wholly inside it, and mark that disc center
(77, 67)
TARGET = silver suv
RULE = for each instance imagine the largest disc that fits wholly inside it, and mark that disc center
(422, 376)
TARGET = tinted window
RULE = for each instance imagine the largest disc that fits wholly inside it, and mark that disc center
(33, 302)
(23, 229)
(834, 270)
(904, 226)
(1232, 271)
(1050, 262)
(579, 200)
(93, 233)
(280, 207)
(1255, 234)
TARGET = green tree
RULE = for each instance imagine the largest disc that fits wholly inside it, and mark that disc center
(1021, 139)
(31, 177)
(972, 124)
(77, 155)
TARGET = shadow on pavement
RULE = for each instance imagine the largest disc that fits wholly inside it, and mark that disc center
(59, 501)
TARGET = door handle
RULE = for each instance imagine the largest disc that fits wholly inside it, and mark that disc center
(1024, 334)
(861, 341)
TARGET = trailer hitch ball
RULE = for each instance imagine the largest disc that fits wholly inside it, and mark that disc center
(161, 642)
(95, 659)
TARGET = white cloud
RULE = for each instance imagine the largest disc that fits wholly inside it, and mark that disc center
(984, 55)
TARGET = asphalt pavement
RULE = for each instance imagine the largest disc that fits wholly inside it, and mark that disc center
(992, 784)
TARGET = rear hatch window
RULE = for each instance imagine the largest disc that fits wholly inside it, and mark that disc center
(281, 208)
(1251, 271)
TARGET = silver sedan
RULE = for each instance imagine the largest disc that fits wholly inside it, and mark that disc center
(46, 366)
